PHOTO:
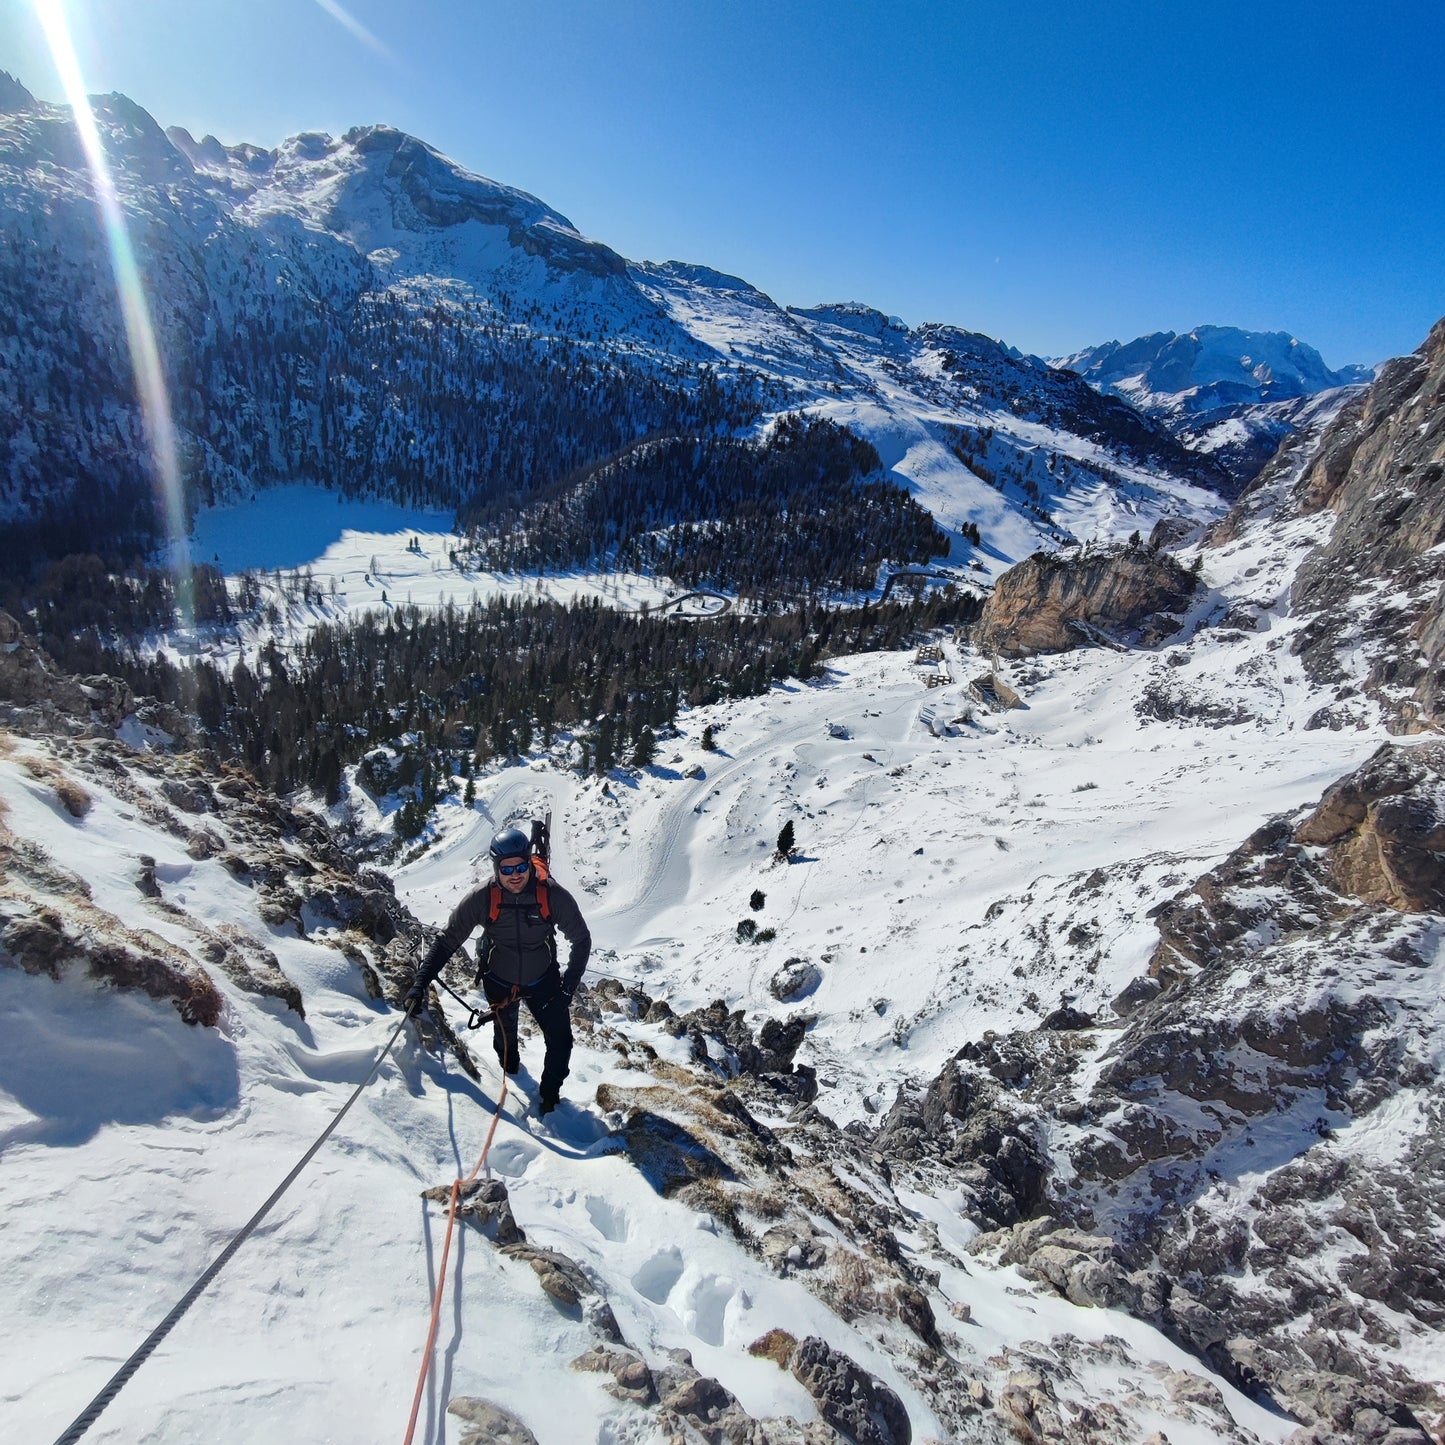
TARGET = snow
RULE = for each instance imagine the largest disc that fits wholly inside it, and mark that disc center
(297, 526)
(134, 1146)
(1267, 364)
(363, 557)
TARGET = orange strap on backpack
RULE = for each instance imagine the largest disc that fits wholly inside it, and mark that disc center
(544, 903)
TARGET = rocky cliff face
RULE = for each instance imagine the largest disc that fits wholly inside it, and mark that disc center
(89, 745)
(1253, 1156)
(1055, 602)
(1376, 586)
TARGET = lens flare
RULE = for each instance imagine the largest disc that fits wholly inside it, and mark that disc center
(350, 23)
(140, 332)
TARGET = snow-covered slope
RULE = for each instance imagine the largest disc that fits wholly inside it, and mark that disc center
(161, 1137)
(956, 881)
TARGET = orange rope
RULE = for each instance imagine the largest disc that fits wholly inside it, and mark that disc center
(457, 1186)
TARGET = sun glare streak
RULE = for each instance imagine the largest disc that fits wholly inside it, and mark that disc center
(139, 330)
(347, 20)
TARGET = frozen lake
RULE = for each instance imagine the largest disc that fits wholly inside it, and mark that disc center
(294, 526)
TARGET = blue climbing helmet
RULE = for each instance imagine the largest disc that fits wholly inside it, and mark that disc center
(510, 843)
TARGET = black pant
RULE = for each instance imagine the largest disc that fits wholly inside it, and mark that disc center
(553, 1011)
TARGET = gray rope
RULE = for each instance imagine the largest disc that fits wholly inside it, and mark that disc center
(117, 1382)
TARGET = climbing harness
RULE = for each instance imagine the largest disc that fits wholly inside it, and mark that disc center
(457, 1186)
(117, 1382)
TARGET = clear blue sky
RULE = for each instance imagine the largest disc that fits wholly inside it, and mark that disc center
(1055, 174)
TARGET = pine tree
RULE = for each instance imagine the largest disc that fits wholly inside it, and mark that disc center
(644, 750)
(786, 841)
(709, 744)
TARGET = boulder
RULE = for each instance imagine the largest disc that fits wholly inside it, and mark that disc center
(489, 1424)
(852, 1401)
(795, 980)
(561, 1277)
(1384, 827)
(631, 1378)
(1054, 602)
(484, 1203)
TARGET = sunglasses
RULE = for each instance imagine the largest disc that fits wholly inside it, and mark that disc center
(510, 870)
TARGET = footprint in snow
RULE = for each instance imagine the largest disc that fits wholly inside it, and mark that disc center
(704, 1306)
(512, 1157)
(656, 1278)
(608, 1220)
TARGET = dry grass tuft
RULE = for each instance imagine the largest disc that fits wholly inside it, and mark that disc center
(776, 1345)
(73, 798)
(852, 1282)
(765, 1203)
(708, 1196)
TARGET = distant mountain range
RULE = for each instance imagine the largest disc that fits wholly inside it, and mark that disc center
(363, 313)
(1230, 393)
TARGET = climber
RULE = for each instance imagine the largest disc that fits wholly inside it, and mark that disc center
(519, 910)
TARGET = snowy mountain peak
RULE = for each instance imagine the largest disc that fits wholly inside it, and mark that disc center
(705, 276)
(852, 315)
(956, 339)
(1221, 390)
(1273, 365)
(379, 187)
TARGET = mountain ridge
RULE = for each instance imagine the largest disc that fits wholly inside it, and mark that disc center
(1226, 391)
(395, 324)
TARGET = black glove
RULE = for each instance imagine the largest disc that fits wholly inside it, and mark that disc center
(414, 1000)
(570, 984)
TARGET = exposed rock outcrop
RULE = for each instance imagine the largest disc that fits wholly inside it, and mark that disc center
(722, 1038)
(1053, 602)
(49, 924)
(862, 1408)
(1372, 590)
(1377, 581)
(1222, 1167)
(489, 1424)
(91, 738)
